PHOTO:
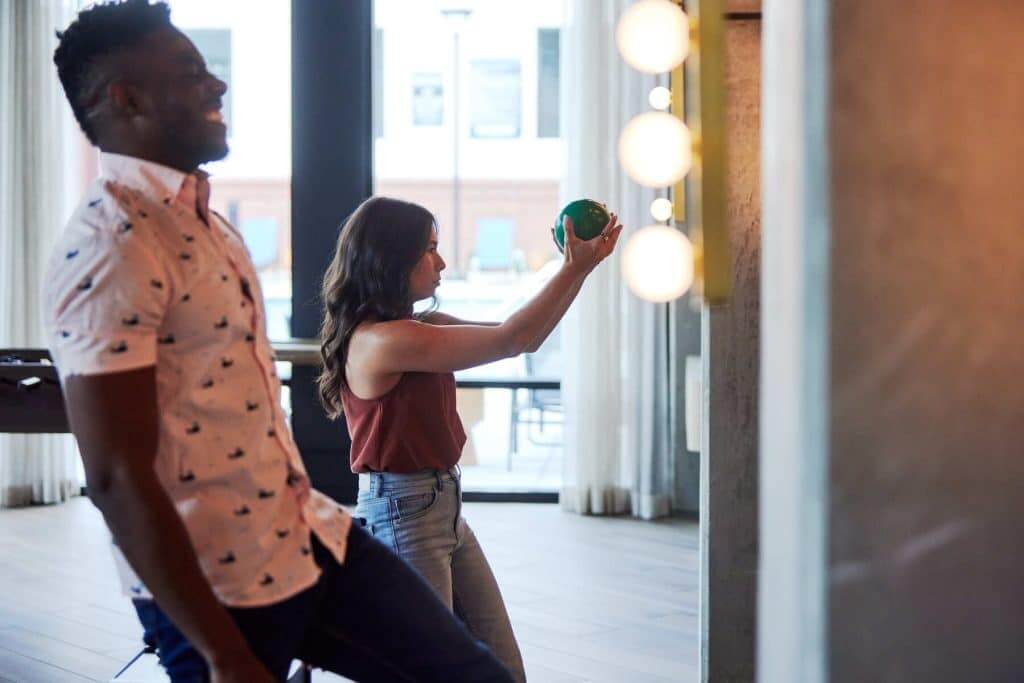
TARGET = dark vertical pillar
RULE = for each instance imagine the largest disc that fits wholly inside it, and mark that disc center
(332, 172)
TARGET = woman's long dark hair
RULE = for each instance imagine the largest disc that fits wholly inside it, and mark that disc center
(379, 245)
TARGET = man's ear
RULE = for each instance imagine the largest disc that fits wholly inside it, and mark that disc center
(124, 97)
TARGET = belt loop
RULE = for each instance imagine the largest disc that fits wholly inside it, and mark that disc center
(375, 484)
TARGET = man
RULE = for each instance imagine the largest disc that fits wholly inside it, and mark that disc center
(157, 326)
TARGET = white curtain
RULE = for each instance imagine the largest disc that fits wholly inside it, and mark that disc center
(615, 381)
(39, 167)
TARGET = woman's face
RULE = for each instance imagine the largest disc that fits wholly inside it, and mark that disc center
(426, 274)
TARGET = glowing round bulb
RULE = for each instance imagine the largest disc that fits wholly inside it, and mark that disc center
(661, 209)
(653, 36)
(654, 149)
(660, 98)
(658, 263)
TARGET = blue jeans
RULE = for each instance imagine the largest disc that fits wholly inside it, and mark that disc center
(371, 619)
(182, 662)
(419, 516)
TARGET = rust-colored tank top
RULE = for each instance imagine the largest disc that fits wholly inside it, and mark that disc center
(411, 428)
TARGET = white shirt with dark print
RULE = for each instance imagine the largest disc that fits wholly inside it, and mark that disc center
(140, 279)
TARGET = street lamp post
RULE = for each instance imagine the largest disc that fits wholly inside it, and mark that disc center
(457, 17)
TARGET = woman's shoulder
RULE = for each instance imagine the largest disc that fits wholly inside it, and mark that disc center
(382, 331)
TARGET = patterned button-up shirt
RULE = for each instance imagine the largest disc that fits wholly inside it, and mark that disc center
(144, 275)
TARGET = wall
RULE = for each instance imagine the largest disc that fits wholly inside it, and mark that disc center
(926, 398)
(730, 350)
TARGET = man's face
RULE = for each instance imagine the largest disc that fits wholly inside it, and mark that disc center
(180, 98)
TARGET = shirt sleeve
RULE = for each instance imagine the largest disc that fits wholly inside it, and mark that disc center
(107, 297)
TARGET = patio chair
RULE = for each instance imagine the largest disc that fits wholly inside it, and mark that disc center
(543, 407)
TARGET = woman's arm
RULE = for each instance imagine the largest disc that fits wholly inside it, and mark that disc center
(439, 318)
(412, 346)
(570, 294)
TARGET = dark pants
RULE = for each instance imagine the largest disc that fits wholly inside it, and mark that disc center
(371, 619)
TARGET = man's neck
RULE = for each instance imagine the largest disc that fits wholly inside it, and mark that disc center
(147, 153)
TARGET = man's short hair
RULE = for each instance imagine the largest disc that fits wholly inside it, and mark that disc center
(97, 32)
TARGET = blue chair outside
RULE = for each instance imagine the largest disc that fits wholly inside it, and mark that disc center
(495, 239)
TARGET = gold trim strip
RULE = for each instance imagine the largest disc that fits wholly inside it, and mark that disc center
(677, 84)
(705, 101)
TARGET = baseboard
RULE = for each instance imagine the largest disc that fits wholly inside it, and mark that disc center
(510, 496)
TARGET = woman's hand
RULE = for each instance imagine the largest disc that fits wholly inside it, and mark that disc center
(586, 254)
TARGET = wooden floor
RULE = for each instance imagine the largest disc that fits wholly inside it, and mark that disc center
(604, 600)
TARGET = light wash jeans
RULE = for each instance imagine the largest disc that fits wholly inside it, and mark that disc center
(419, 516)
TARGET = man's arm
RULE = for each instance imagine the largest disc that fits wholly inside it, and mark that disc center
(114, 417)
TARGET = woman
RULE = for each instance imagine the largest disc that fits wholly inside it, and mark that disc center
(390, 372)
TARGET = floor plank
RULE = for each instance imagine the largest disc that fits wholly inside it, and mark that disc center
(604, 600)
(62, 655)
(22, 669)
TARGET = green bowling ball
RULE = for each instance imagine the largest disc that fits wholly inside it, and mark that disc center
(588, 220)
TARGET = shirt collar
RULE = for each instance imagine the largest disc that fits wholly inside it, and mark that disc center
(158, 181)
(148, 177)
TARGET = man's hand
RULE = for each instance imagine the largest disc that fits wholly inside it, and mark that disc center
(245, 669)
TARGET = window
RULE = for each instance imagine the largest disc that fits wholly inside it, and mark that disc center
(495, 91)
(548, 73)
(377, 65)
(248, 46)
(457, 81)
(427, 99)
(215, 46)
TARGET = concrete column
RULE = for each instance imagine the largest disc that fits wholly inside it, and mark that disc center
(927, 359)
(924, 400)
(730, 353)
(791, 638)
